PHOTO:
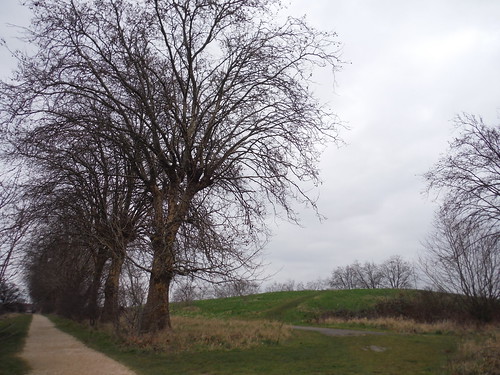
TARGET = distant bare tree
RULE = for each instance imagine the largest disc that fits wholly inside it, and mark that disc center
(208, 100)
(397, 273)
(369, 275)
(134, 286)
(10, 295)
(318, 284)
(344, 278)
(187, 290)
(133, 292)
(59, 268)
(236, 288)
(393, 273)
(285, 286)
(464, 257)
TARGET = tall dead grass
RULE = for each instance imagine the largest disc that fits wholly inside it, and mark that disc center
(401, 325)
(478, 355)
(195, 334)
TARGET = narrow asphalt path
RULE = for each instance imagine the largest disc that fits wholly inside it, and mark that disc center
(52, 352)
(337, 332)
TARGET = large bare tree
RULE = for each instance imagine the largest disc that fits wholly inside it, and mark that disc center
(208, 101)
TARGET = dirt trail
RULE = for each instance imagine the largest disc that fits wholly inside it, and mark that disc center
(52, 352)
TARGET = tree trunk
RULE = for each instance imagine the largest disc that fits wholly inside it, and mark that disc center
(111, 306)
(156, 314)
(92, 307)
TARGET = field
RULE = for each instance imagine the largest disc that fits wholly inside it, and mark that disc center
(300, 353)
(253, 335)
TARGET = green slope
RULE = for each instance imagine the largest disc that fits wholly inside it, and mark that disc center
(296, 307)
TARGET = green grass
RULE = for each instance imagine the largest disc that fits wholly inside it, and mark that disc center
(13, 330)
(289, 307)
(303, 353)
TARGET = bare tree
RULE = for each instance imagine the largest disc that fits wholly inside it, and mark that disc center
(90, 183)
(344, 278)
(397, 273)
(13, 222)
(133, 292)
(58, 268)
(393, 273)
(369, 275)
(236, 288)
(318, 284)
(187, 290)
(464, 257)
(210, 103)
(10, 296)
(463, 252)
(469, 174)
(286, 286)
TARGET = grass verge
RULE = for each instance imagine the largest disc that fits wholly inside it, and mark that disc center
(13, 331)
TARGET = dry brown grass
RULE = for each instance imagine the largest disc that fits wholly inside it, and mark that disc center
(404, 325)
(479, 355)
(211, 334)
(9, 315)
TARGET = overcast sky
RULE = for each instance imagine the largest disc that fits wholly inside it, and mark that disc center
(413, 66)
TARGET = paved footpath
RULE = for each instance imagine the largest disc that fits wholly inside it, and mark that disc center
(50, 351)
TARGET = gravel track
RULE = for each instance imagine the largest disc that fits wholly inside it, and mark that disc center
(52, 352)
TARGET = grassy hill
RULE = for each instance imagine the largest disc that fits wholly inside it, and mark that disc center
(298, 307)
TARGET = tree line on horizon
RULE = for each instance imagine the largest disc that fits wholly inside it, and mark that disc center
(394, 273)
